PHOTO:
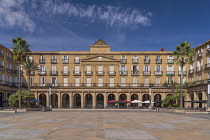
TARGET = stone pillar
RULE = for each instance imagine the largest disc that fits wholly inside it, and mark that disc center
(204, 97)
(71, 99)
(47, 99)
(94, 100)
(128, 98)
(152, 99)
(140, 99)
(82, 100)
(59, 100)
(105, 100)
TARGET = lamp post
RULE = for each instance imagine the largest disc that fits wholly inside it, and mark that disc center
(50, 104)
(150, 94)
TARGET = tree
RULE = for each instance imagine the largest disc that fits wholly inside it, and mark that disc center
(30, 66)
(184, 54)
(20, 50)
(25, 97)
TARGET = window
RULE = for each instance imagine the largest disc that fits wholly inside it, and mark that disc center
(65, 59)
(123, 82)
(111, 80)
(9, 79)
(134, 70)
(76, 59)
(76, 80)
(65, 70)
(54, 59)
(42, 68)
(88, 68)
(146, 81)
(1, 52)
(112, 56)
(30, 58)
(111, 69)
(31, 81)
(146, 68)
(42, 81)
(53, 70)
(54, 81)
(88, 80)
(87, 56)
(199, 77)
(1, 63)
(100, 70)
(158, 68)
(123, 57)
(122, 68)
(76, 70)
(134, 82)
(158, 59)
(158, 82)
(170, 80)
(41, 57)
(100, 82)
(65, 82)
(1, 78)
(170, 68)
(146, 58)
(135, 58)
(191, 66)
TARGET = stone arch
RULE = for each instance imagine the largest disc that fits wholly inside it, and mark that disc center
(43, 99)
(77, 100)
(65, 100)
(100, 100)
(1, 99)
(134, 96)
(157, 97)
(88, 100)
(54, 100)
(145, 98)
(200, 98)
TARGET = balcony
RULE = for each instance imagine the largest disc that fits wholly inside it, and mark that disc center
(135, 73)
(2, 68)
(146, 61)
(1, 55)
(207, 66)
(111, 73)
(17, 72)
(53, 61)
(170, 73)
(99, 73)
(42, 61)
(183, 74)
(9, 58)
(65, 61)
(158, 61)
(191, 71)
(42, 73)
(199, 69)
(88, 73)
(54, 73)
(31, 74)
(9, 70)
(158, 72)
(77, 73)
(199, 55)
(208, 51)
(123, 73)
(123, 61)
(65, 73)
(170, 61)
(135, 61)
(146, 73)
(76, 61)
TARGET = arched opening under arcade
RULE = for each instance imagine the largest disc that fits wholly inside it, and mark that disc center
(134, 97)
(65, 101)
(200, 98)
(192, 99)
(145, 98)
(1, 99)
(42, 98)
(123, 97)
(157, 98)
(100, 101)
(111, 97)
(54, 100)
(77, 101)
(88, 101)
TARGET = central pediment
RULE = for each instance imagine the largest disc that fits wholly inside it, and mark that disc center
(100, 58)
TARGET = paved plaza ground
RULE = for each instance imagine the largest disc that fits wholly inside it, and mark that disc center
(110, 125)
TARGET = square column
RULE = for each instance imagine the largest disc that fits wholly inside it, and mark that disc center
(82, 100)
(105, 100)
(94, 100)
(71, 99)
(59, 100)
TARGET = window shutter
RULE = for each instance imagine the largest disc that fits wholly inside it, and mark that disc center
(111, 82)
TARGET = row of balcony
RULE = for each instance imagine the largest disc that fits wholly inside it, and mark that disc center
(8, 57)
(110, 73)
(123, 61)
(2, 68)
(12, 84)
(199, 55)
(200, 69)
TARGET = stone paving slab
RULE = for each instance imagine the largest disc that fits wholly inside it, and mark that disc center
(138, 117)
(128, 134)
(22, 133)
(8, 125)
(53, 120)
(116, 120)
(87, 117)
(160, 126)
(180, 121)
(80, 125)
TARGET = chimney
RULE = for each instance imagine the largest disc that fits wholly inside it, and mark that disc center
(162, 49)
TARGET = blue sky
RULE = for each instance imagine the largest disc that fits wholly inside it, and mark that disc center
(126, 25)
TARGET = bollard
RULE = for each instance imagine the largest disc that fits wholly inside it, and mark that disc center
(43, 109)
(157, 109)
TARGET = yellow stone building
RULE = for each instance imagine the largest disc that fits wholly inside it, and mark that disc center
(88, 79)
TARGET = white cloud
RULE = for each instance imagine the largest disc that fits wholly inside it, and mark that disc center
(12, 14)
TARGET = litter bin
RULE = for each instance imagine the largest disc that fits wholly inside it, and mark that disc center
(157, 109)
(43, 109)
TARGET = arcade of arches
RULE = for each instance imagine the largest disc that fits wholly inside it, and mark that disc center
(99, 100)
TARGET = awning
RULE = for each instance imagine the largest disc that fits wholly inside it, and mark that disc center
(122, 102)
(127, 101)
(147, 102)
(135, 101)
(111, 101)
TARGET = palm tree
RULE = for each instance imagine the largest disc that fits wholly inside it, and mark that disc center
(20, 49)
(30, 66)
(184, 54)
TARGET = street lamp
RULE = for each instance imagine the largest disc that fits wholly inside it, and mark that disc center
(50, 104)
(150, 94)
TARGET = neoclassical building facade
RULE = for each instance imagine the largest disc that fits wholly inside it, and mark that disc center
(88, 79)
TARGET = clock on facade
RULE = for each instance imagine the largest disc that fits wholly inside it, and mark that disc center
(99, 58)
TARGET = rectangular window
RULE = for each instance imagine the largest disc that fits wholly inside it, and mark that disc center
(65, 82)
(88, 68)
(88, 82)
(31, 81)
(146, 68)
(42, 81)
(134, 82)
(158, 68)
(1, 63)
(76, 80)
(100, 69)
(158, 82)
(122, 68)
(123, 82)
(123, 57)
(65, 69)
(54, 81)
(100, 82)
(111, 80)
(1, 79)
(158, 58)
(76, 69)
(53, 69)
(42, 68)
(146, 82)
(111, 69)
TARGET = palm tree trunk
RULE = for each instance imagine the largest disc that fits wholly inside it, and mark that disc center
(29, 76)
(19, 86)
(181, 80)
